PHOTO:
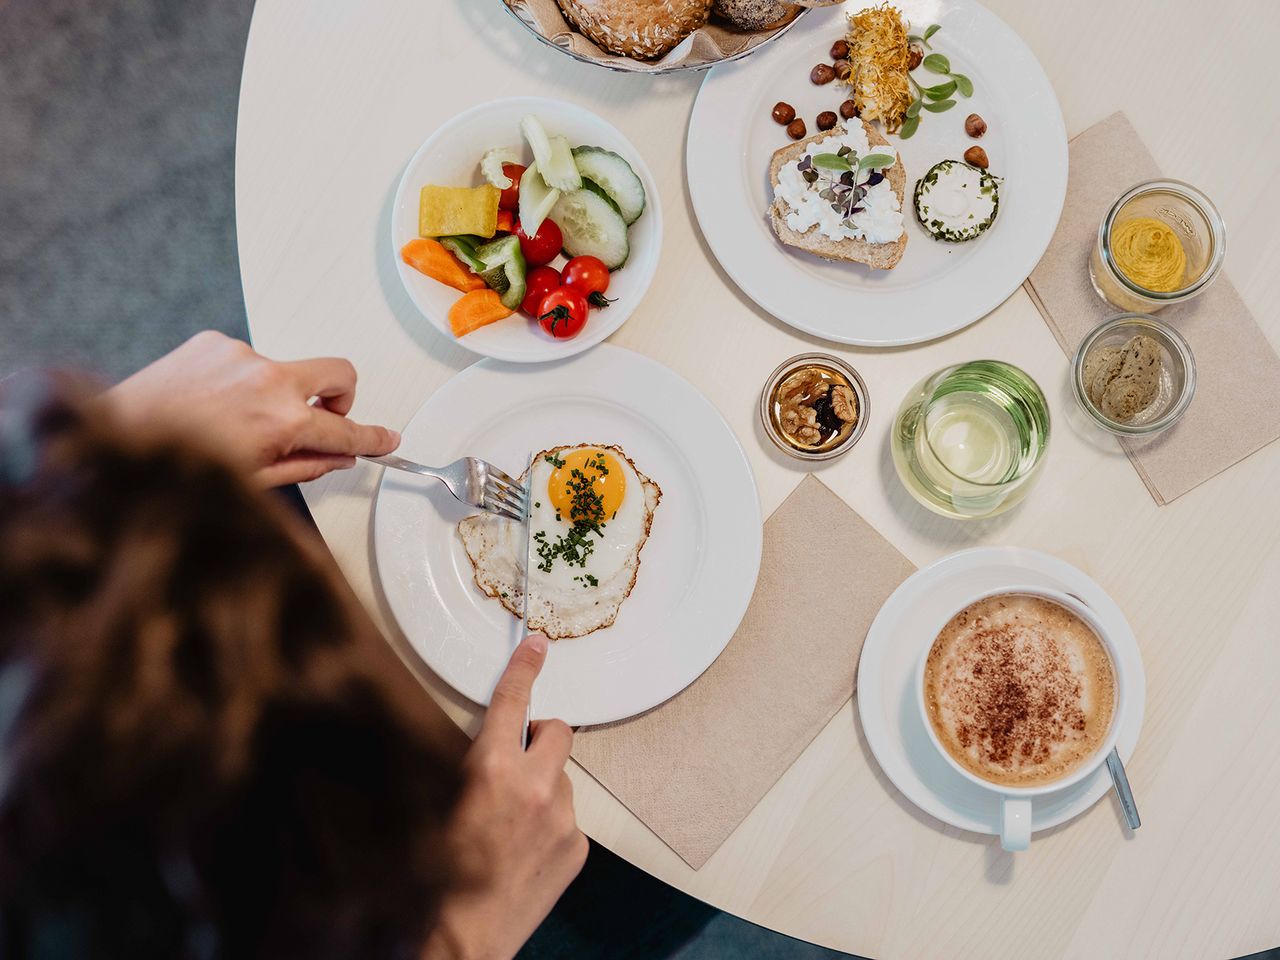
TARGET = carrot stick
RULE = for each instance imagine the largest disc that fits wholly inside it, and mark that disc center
(476, 309)
(431, 258)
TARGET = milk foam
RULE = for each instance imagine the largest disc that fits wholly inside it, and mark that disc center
(1019, 690)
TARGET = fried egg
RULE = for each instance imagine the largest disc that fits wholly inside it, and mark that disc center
(590, 514)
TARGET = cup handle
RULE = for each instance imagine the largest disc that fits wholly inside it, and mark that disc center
(1015, 823)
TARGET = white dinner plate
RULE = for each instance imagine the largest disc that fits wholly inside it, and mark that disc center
(697, 570)
(451, 157)
(938, 287)
(907, 625)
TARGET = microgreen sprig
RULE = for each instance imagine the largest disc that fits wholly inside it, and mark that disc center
(936, 98)
(844, 186)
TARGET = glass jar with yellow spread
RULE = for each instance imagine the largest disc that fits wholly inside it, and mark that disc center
(1161, 242)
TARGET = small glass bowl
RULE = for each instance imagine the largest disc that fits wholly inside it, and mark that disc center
(788, 367)
(1186, 211)
(1177, 373)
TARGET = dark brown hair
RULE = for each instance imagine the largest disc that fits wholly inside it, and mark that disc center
(205, 748)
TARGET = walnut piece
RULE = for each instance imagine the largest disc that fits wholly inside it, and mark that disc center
(843, 403)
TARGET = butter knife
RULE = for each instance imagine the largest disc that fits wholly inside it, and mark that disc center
(524, 590)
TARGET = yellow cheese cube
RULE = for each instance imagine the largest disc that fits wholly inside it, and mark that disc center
(446, 211)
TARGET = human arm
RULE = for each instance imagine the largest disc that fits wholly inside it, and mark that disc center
(255, 413)
(514, 828)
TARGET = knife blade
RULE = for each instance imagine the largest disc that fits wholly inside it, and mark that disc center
(524, 590)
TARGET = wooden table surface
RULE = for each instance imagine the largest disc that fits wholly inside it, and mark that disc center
(337, 95)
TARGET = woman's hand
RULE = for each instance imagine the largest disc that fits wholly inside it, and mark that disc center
(514, 829)
(256, 413)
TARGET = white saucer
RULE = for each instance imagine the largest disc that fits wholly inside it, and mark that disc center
(908, 623)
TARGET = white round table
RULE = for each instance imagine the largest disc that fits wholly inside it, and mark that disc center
(335, 98)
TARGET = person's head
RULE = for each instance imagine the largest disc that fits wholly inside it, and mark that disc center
(205, 749)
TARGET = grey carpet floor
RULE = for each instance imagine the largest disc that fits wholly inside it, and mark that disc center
(117, 141)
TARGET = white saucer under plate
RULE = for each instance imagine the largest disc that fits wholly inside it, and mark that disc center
(697, 570)
(904, 628)
(938, 287)
(451, 157)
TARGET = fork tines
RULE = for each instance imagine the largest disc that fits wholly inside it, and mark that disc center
(504, 495)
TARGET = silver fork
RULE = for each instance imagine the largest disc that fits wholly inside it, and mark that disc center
(475, 482)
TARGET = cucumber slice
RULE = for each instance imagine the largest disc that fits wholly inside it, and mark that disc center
(591, 226)
(599, 192)
(464, 248)
(536, 199)
(504, 269)
(615, 177)
(555, 160)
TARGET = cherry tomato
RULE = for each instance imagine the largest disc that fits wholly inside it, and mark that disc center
(563, 312)
(510, 199)
(539, 282)
(590, 275)
(543, 247)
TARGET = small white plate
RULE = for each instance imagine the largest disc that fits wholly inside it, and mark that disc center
(905, 627)
(938, 287)
(697, 570)
(451, 157)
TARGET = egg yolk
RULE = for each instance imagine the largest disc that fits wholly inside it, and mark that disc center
(588, 486)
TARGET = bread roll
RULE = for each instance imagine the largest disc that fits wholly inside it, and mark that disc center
(643, 29)
(756, 15)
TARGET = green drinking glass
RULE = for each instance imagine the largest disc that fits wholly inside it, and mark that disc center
(969, 440)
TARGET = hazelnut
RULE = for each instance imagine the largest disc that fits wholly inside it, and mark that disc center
(826, 120)
(843, 69)
(915, 55)
(848, 109)
(976, 156)
(796, 129)
(840, 50)
(822, 73)
(974, 125)
(783, 113)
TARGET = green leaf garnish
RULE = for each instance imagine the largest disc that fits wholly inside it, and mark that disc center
(830, 161)
(937, 63)
(935, 99)
(875, 161)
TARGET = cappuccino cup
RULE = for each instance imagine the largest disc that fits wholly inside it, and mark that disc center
(1022, 692)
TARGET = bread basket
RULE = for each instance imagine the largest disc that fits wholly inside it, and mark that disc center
(704, 48)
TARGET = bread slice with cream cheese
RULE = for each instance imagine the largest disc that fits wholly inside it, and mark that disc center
(878, 256)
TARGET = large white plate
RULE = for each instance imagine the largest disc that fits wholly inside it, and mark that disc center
(938, 287)
(451, 157)
(904, 628)
(697, 571)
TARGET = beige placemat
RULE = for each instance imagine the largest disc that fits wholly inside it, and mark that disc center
(693, 768)
(1236, 409)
